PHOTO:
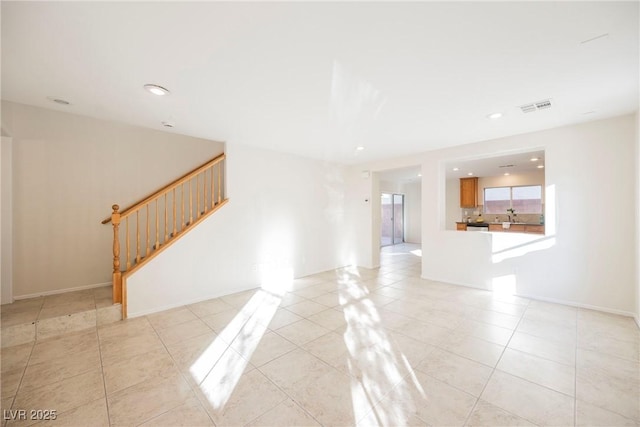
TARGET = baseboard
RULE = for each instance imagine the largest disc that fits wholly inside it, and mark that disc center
(184, 303)
(303, 275)
(551, 300)
(449, 282)
(61, 291)
(580, 305)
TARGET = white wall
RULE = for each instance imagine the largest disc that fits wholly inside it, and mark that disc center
(452, 203)
(67, 172)
(589, 167)
(376, 222)
(6, 232)
(391, 187)
(360, 206)
(637, 157)
(413, 212)
(284, 213)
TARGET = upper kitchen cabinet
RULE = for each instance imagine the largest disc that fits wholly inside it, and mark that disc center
(468, 192)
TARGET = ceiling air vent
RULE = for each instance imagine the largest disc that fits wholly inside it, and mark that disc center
(535, 106)
(506, 166)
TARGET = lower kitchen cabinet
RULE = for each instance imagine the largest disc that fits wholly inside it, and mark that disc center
(519, 228)
(538, 229)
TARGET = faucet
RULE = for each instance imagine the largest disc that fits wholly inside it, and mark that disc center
(509, 216)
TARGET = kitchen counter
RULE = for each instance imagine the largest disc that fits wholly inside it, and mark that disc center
(486, 224)
(514, 227)
(517, 223)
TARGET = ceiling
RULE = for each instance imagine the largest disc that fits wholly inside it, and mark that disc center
(514, 164)
(320, 79)
(402, 176)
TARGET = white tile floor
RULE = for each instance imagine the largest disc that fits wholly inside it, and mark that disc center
(347, 347)
(45, 317)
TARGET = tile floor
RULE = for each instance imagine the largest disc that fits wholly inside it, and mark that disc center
(346, 347)
(45, 317)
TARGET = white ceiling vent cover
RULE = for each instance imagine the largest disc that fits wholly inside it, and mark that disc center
(535, 106)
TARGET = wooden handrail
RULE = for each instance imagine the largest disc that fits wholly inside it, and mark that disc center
(150, 227)
(168, 187)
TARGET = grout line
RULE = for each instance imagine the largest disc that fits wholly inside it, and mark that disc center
(179, 372)
(184, 378)
(64, 379)
(494, 370)
(24, 371)
(575, 376)
(104, 382)
(296, 347)
(292, 398)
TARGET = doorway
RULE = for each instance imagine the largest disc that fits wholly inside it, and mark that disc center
(392, 229)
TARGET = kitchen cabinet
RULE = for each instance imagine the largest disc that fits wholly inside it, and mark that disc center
(538, 229)
(519, 228)
(469, 192)
(460, 226)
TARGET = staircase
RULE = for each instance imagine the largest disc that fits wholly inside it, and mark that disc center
(151, 225)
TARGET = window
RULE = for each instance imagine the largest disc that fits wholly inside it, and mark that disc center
(526, 199)
(497, 200)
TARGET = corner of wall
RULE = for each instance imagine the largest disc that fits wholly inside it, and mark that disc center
(5, 119)
(6, 221)
(637, 222)
(376, 216)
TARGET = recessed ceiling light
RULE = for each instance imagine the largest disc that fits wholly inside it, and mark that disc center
(359, 148)
(507, 174)
(494, 115)
(58, 100)
(540, 166)
(156, 90)
(470, 173)
(456, 169)
(534, 159)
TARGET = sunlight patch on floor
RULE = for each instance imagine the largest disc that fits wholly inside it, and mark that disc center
(219, 368)
(376, 367)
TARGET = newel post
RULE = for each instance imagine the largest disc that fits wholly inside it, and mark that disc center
(117, 274)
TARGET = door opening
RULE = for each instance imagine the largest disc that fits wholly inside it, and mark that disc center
(392, 230)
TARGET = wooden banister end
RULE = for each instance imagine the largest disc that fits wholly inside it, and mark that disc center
(115, 208)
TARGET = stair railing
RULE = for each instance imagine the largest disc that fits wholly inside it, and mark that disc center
(161, 218)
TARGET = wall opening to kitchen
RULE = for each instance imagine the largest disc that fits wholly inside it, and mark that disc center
(497, 193)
